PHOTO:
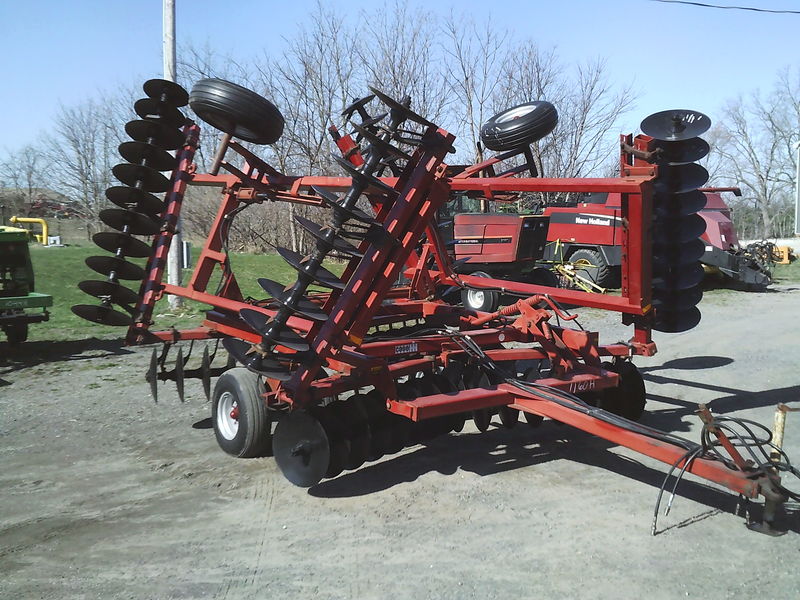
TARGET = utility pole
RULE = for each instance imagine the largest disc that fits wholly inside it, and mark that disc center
(176, 247)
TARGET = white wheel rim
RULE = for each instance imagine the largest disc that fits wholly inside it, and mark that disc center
(475, 298)
(227, 425)
(516, 113)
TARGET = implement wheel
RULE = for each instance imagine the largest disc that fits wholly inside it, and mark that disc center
(480, 300)
(236, 110)
(519, 126)
(240, 416)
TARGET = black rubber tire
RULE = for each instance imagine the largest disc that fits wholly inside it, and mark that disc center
(542, 276)
(599, 272)
(519, 126)
(236, 110)
(253, 437)
(16, 333)
(480, 300)
(629, 398)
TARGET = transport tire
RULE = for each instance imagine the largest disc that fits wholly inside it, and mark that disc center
(16, 333)
(236, 110)
(480, 300)
(591, 265)
(239, 414)
(628, 399)
(519, 126)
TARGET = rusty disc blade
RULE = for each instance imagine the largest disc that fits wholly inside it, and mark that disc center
(142, 153)
(106, 265)
(136, 223)
(105, 315)
(130, 246)
(115, 292)
(166, 91)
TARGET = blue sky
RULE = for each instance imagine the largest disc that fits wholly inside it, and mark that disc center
(677, 56)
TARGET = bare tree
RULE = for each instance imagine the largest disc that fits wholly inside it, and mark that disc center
(23, 176)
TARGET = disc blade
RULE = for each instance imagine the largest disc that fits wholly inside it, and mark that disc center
(678, 205)
(676, 125)
(369, 182)
(319, 275)
(672, 279)
(105, 265)
(141, 177)
(115, 292)
(142, 153)
(678, 179)
(301, 448)
(304, 307)
(319, 232)
(130, 246)
(205, 373)
(288, 338)
(679, 254)
(677, 321)
(359, 104)
(685, 151)
(179, 380)
(257, 321)
(155, 133)
(136, 223)
(135, 199)
(383, 147)
(678, 301)
(396, 106)
(332, 201)
(243, 353)
(104, 315)
(151, 376)
(166, 91)
(150, 108)
(678, 230)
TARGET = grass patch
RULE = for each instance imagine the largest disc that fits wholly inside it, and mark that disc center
(787, 273)
(58, 271)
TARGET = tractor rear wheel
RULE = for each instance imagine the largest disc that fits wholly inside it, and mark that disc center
(16, 333)
(236, 110)
(591, 265)
(239, 414)
(480, 300)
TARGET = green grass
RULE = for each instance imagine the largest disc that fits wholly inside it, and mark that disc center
(787, 273)
(58, 271)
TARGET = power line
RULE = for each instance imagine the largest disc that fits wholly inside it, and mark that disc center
(750, 8)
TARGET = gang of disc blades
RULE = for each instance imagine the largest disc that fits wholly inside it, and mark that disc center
(149, 108)
(301, 448)
(318, 232)
(685, 151)
(148, 154)
(153, 132)
(675, 125)
(137, 223)
(135, 199)
(396, 106)
(678, 301)
(670, 280)
(678, 230)
(320, 275)
(141, 176)
(105, 265)
(677, 321)
(679, 254)
(678, 205)
(678, 179)
(112, 240)
(166, 91)
(381, 146)
(104, 315)
(114, 291)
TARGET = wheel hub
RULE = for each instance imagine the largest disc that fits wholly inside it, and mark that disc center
(228, 416)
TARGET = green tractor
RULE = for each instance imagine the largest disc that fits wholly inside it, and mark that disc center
(19, 304)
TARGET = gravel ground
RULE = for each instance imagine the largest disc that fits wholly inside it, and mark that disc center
(104, 494)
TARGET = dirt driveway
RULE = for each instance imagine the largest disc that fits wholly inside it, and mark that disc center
(105, 495)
